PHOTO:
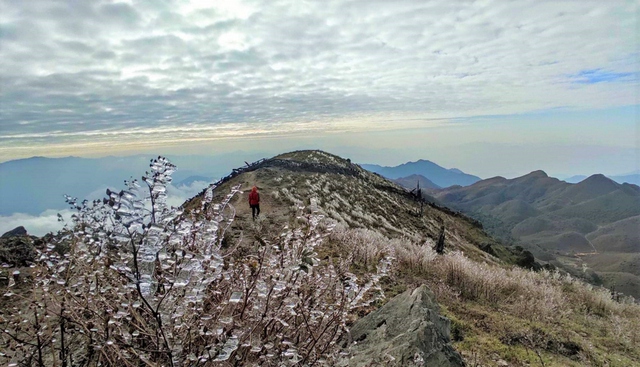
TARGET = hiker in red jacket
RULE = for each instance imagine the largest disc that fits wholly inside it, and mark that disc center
(254, 202)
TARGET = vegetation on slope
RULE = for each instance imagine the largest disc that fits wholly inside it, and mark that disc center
(372, 237)
(560, 223)
(500, 312)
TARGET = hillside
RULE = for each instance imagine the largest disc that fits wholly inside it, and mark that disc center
(440, 176)
(378, 212)
(411, 182)
(633, 178)
(349, 194)
(267, 290)
(622, 236)
(557, 220)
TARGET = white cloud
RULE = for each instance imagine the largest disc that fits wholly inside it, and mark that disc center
(176, 196)
(38, 225)
(47, 221)
(78, 72)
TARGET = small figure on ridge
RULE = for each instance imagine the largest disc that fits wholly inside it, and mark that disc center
(254, 202)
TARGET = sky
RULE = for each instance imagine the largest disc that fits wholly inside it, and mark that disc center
(490, 87)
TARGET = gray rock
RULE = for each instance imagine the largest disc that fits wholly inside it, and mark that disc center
(407, 331)
(16, 232)
(17, 251)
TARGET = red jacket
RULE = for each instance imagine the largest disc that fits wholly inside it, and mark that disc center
(254, 197)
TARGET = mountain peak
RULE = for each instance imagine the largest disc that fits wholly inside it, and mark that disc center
(422, 162)
(440, 176)
(410, 182)
(314, 156)
(598, 180)
(539, 173)
(598, 177)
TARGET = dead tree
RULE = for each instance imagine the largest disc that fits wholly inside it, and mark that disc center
(615, 295)
(417, 193)
(440, 243)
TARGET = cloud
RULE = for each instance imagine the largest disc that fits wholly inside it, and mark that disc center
(176, 196)
(37, 225)
(47, 221)
(81, 72)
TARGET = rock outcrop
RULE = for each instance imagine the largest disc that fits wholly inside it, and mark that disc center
(407, 331)
(17, 248)
(16, 232)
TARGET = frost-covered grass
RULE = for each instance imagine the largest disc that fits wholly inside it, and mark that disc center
(368, 246)
(498, 312)
(314, 156)
(509, 313)
(564, 320)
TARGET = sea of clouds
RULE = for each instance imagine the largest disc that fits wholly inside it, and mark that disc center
(47, 221)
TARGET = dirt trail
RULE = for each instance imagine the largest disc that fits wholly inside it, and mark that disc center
(595, 250)
(273, 214)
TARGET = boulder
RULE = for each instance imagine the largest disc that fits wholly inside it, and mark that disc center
(407, 331)
(17, 251)
(16, 232)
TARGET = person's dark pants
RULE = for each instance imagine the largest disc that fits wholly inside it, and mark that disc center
(255, 210)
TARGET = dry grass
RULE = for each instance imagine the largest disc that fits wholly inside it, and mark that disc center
(521, 316)
(498, 312)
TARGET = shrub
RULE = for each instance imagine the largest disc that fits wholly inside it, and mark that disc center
(146, 284)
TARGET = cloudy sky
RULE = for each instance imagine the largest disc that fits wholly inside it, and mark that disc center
(491, 87)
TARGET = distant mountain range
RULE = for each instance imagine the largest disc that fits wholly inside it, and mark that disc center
(437, 175)
(35, 184)
(633, 178)
(598, 219)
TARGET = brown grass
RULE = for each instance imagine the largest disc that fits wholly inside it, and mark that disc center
(509, 313)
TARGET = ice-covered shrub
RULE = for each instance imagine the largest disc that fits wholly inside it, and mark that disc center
(148, 284)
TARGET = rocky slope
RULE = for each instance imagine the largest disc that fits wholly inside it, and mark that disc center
(408, 330)
(18, 248)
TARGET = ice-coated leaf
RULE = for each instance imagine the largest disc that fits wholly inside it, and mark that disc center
(235, 297)
(228, 348)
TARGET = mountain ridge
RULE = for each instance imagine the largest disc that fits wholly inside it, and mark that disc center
(437, 174)
(367, 202)
(632, 178)
(555, 219)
